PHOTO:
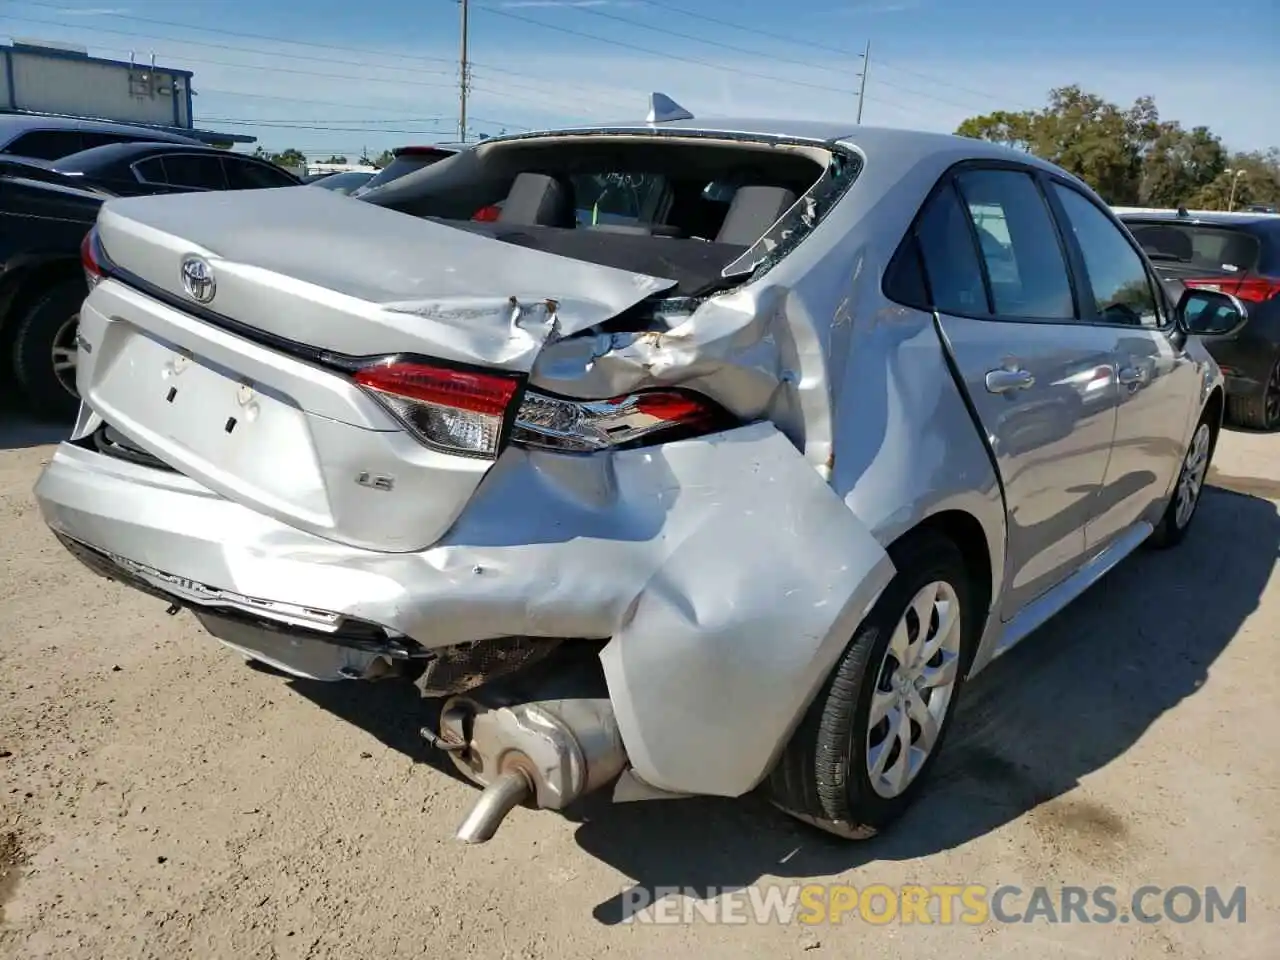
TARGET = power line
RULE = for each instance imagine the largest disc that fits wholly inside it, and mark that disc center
(228, 46)
(338, 103)
(592, 11)
(258, 66)
(240, 34)
(276, 55)
(756, 53)
(658, 53)
(809, 42)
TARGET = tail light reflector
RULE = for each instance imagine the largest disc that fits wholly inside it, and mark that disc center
(466, 413)
(91, 258)
(586, 425)
(454, 411)
(487, 214)
(1252, 289)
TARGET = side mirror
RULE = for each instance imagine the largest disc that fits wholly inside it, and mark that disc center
(1210, 313)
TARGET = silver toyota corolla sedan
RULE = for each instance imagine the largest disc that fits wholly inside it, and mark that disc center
(676, 457)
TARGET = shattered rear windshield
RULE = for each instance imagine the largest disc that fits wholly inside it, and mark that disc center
(802, 217)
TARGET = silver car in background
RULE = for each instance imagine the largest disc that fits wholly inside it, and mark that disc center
(683, 457)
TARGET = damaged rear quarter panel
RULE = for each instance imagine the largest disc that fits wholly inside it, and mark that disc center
(728, 639)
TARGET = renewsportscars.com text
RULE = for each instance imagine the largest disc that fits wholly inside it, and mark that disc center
(963, 904)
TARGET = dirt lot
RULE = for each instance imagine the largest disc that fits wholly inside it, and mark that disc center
(159, 798)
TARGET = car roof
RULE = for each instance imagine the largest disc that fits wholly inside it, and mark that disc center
(1202, 217)
(13, 125)
(116, 152)
(902, 143)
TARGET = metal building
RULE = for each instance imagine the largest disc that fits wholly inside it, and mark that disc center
(41, 77)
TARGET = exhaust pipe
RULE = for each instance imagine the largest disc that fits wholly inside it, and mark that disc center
(543, 753)
(499, 798)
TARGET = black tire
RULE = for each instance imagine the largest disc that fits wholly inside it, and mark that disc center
(822, 776)
(36, 334)
(1169, 532)
(1260, 411)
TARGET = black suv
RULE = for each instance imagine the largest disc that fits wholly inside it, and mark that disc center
(46, 208)
(1238, 253)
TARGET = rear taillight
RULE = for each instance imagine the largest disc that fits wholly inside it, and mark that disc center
(487, 214)
(91, 258)
(1252, 289)
(465, 412)
(454, 411)
(583, 425)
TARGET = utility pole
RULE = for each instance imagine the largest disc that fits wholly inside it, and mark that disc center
(464, 78)
(862, 87)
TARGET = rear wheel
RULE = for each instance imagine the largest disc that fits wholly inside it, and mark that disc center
(44, 351)
(863, 750)
(1260, 412)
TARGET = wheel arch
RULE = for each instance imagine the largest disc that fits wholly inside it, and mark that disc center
(24, 284)
(968, 534)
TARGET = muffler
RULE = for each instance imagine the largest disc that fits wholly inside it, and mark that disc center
(544, 753)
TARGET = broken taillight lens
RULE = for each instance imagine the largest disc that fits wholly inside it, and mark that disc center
(453, 411)
(650, 416)
(91, 258)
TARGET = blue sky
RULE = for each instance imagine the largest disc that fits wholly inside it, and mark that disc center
(358, 76)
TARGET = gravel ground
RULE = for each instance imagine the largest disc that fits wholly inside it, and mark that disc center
(159, 798)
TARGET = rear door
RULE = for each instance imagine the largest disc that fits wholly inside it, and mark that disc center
(1158, 383)
(1042, 383)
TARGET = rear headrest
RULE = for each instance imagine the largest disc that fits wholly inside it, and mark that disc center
(753, 211)
(538, 200)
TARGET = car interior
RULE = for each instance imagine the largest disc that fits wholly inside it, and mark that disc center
(681, 208)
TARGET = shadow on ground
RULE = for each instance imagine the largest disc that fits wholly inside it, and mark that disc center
(1071, 699)
(19, 429)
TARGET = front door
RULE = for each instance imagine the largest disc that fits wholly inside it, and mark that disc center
(1157, 380)
(1042, 384)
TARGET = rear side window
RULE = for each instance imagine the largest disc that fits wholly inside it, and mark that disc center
(46, 144)
(194, 171)
(247, 175)
(1118, 278)
(150, 171)
(950, 260)
(1019, 244)
(1213, 249)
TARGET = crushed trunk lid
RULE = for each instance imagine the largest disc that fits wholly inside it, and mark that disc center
(343, 275)
(271, 427)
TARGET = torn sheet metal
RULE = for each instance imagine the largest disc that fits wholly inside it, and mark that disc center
(358, 279)
(710, 661)
(760, 352)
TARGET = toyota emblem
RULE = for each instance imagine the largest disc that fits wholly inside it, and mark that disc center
(197, 279)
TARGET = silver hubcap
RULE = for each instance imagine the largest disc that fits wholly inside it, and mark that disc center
(1192, 479)
(916, 680)
(64, 354)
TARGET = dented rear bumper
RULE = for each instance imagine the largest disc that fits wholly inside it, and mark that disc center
(725, 573)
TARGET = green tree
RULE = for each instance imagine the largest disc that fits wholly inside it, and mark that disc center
(384, 159)
(1180, 164)
(289, 158)
(335, 159)
(1082, 133)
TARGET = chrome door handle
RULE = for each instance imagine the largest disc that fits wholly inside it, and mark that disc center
(1130, 375)
(1004, 380)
